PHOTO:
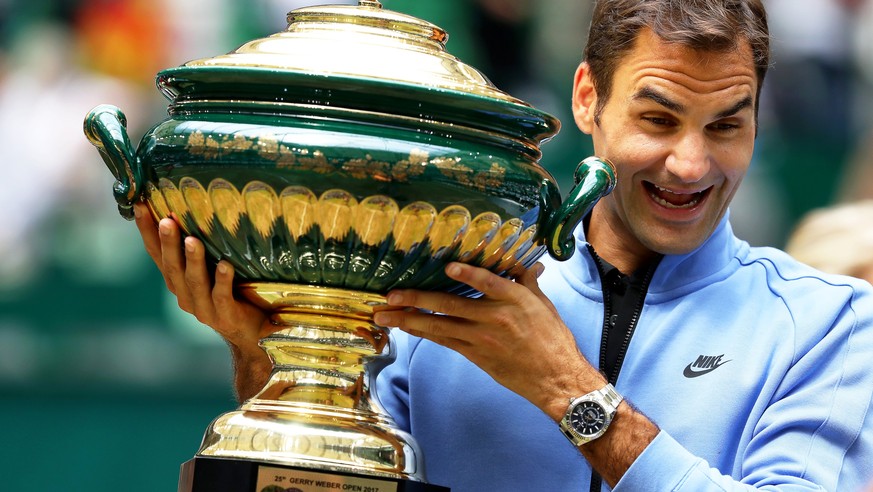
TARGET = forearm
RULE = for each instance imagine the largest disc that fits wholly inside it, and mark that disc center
(613, 453)
(630, 432)
(251, 370)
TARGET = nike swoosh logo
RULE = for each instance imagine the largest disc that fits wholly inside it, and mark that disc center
(689, 372)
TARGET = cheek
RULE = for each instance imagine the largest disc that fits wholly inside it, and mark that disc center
(734, 157)
(630, 150)
(733, 171)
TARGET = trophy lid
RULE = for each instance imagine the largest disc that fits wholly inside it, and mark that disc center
(364, 58)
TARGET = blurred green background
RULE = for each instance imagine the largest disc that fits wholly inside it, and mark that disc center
(104, 384)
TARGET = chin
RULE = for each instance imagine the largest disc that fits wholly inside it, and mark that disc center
(674, 244)
(677, 249)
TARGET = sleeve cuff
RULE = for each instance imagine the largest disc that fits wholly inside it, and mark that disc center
(663, 465)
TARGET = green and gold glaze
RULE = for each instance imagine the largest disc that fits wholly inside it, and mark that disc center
(344, 157)
(326, 107)
(243, 184)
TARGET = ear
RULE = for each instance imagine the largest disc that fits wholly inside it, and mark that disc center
(584, 98)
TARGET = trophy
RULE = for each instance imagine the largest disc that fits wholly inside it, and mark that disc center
(346, 156)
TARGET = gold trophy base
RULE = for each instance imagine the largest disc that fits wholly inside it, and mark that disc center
(315, 425)
(202, 474)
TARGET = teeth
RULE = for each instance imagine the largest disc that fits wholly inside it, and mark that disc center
(665, 203)
(665, 189)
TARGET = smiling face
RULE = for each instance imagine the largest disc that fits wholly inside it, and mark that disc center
(679, 125)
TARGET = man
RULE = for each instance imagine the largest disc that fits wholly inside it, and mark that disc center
(733, 368)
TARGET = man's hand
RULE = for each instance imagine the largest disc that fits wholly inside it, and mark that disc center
(187, 276)
(512, 332)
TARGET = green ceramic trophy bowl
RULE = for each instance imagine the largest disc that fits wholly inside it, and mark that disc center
(330, 163)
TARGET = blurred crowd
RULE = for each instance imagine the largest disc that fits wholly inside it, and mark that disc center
(79, 298)
(58, 59)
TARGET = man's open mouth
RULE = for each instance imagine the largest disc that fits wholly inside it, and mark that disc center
(672, 199)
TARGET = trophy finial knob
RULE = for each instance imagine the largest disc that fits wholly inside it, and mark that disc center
(376, 4)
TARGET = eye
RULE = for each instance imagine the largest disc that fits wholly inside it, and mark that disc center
(723, 126)
(659, 121)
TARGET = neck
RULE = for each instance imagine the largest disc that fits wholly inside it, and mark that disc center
(627, 255)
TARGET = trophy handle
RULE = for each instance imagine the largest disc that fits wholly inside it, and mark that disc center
(106, 128)
(595, 178)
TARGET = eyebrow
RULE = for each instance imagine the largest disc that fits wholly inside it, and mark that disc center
(739, 106)
(655, 96)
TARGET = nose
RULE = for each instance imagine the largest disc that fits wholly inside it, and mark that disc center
(689, 158)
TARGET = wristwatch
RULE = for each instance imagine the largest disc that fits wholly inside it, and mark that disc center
(589, 416)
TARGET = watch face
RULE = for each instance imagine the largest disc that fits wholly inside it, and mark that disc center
(588, 418)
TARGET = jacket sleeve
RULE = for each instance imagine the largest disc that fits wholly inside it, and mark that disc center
(817, 432)
(392, 382)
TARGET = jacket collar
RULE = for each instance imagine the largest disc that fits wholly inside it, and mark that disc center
(676, 274)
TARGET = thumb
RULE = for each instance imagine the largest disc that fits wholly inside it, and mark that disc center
(530, 279)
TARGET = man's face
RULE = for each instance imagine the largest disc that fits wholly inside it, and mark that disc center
(679, 126)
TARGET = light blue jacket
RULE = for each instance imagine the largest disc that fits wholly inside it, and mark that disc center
(757, 369)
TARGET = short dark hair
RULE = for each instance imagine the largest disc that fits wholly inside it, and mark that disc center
(706, 25)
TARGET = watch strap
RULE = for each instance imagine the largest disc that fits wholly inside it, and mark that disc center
(610, 396)
(607, 397)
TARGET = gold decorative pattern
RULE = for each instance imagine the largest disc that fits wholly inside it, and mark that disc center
(448, 230)
(368, 168)
(298, 210)
(374, 218)
(504, 239)
(490, 179)
(269, 147)
(213, 146)
(317, 163)
(227, 204)
(262, 207)
(478, 235)
(174, 199)
(199, 203)
(411, 167)
(159, 206)
(412, 225)
(453, 169)
(377, 221)
(334, 213)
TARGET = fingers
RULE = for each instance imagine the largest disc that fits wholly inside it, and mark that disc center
(162, 242)
(222, 292)
(530, 280)
(494, 288)
(457, 314)
(148, 229)
(438, 302)
(198, 282)
(529, 277)
(186, 272)
(444, 330)
(240, 323)
(173, 264)
(485, 281)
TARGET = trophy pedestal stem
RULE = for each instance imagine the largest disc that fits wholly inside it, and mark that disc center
(316, 412)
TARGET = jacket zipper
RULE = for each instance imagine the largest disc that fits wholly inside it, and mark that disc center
(612, 378)
(647, 279)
